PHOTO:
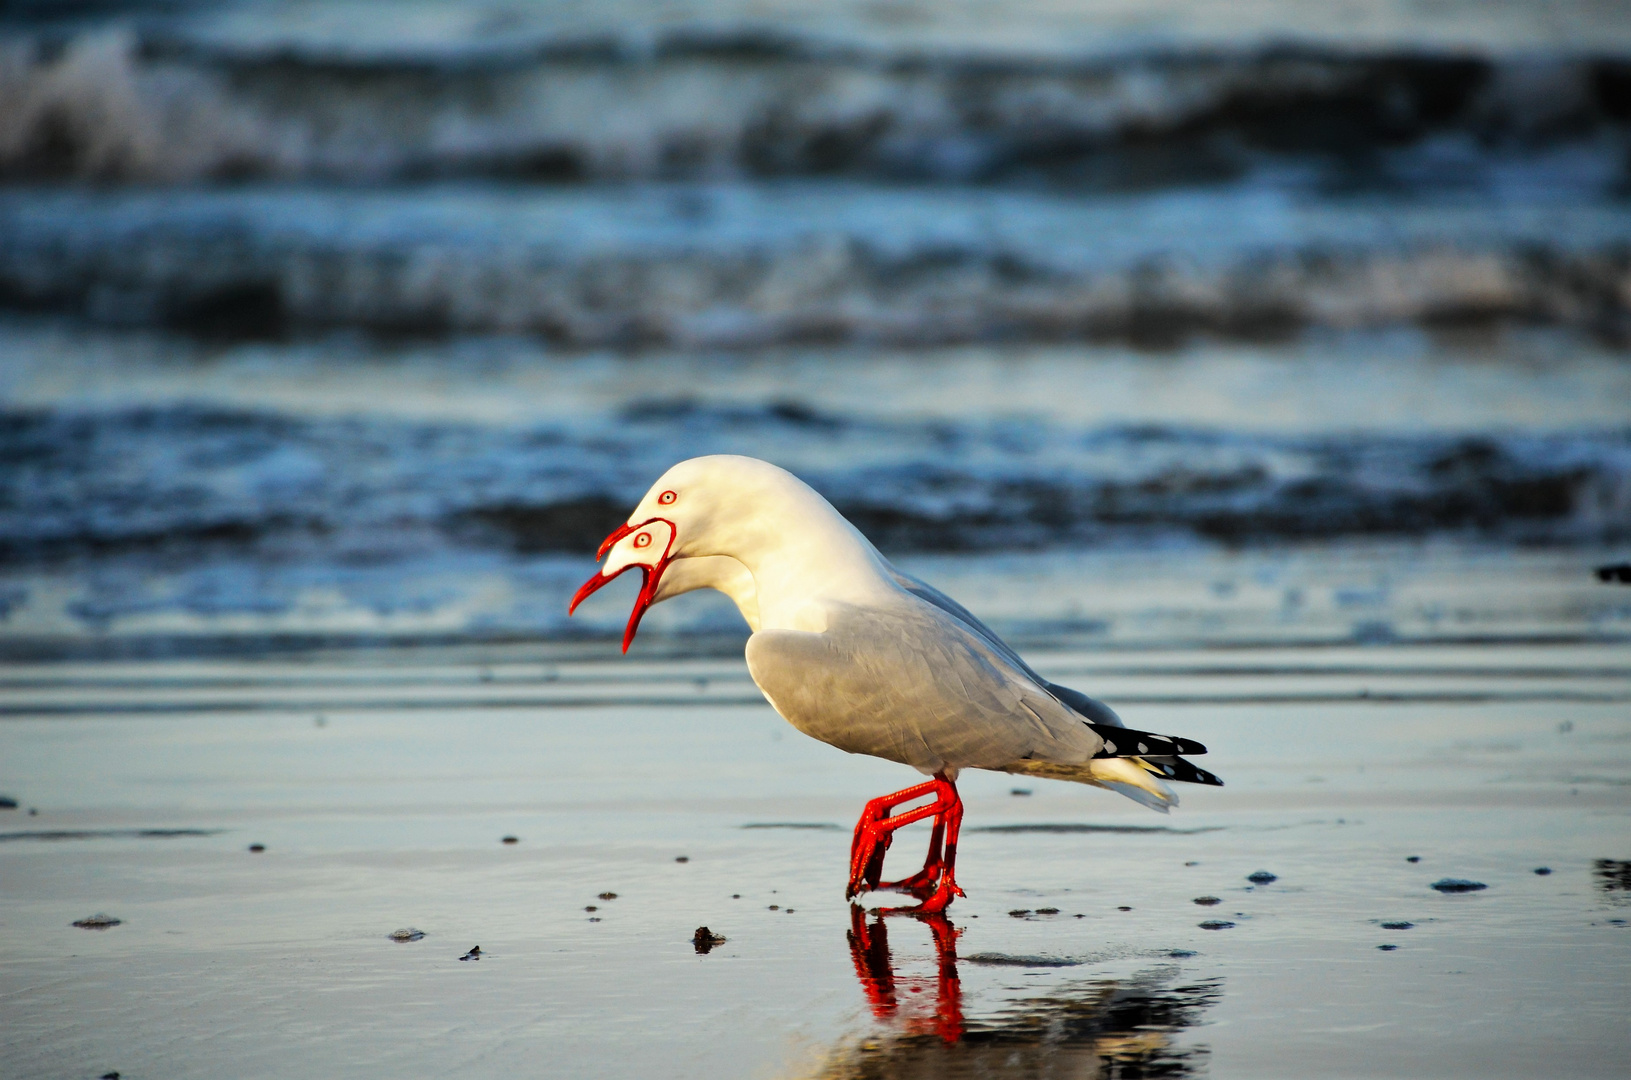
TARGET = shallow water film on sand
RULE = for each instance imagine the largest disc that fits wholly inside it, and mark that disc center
(1261, 370)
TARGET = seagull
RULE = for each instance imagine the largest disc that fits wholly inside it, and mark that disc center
(850, 650)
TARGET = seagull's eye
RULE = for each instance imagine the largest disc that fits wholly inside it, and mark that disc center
(643, 540)
(667, 498)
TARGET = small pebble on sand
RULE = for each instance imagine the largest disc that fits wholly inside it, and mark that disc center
(97, 922)
(1047, 911)
(1397, 925)
(682, 858)
(1193, 862)
(1124, 907)
(1020, 913)
(1020, 791)
(1261, 877)
(1543, 870)
(1216, 924)
(1207, 901)
(110, 1076)
(7, 803)
(1387, 948)
(591, 907)
(705, 939)
(1180, 954)
(1458, 885)
(608, 896)
(257, 848)
(775, 907)
(473, 954)
(736, 896)
(1412, 858)
(409, 934)
(510, 840)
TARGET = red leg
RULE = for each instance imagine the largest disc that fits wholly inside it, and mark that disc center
(873, 834)
(935, 884)
(946, 888)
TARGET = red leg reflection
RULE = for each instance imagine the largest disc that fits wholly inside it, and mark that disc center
(936, 884)
(869, 948)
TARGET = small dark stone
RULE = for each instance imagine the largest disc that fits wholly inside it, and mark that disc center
(1124, 908)
(510, 840)
(1387, 948)
(33, 812)
(1020, 913)
(1216, 924)
(97, 922)
(1020, 791)
(1397, 925)
(705, 939)
(7, 803)
(110, 1076)
(1262, 877)
(1180, 954)
(473, 954)
(594, 918)
(1412, 858)
(409, 934)
(1047, 911)
(1207, 901)
(775, 907)
(1543, 870)
(608, 896)
(591, 907)
(1458, 885)
(1193, 862)
(257, 848)
(1079, 916)
(736, 896)
(789, 911)
(682, 858)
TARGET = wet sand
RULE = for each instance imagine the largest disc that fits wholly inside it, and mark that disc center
(1486, 762)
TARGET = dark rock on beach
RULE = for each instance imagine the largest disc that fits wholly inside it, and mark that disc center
(408, 934)
(97, 922)
(1262, 877)
(1397, 925)
(1458, 885)
(1216, 924)
(257, 848)
(1207, 901)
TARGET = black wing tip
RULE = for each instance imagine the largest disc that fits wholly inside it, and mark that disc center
(1185, 772)
(1126, 742)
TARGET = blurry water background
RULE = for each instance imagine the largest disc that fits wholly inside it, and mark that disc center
(343, 321)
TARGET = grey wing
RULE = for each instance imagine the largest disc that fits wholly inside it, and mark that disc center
(1091, 708)
(914, 685)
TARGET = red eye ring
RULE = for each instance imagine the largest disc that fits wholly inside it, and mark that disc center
(643, 540)
(667, 498)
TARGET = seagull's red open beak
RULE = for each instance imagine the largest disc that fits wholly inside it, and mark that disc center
(650, 571)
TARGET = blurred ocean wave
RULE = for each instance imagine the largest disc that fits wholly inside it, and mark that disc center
(739, 265)
(183, 480)
(360, 92)
(355, 317)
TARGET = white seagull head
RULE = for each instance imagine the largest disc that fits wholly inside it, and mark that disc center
(736, 524)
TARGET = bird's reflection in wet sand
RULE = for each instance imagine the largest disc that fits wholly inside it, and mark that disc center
(1087, 1028)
